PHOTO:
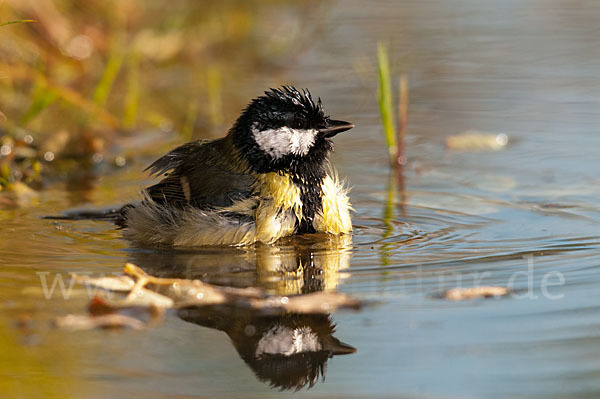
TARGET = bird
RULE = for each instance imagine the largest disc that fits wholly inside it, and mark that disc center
(269, 177)
(288, 351)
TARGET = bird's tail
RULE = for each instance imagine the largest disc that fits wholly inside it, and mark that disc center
(115, 215)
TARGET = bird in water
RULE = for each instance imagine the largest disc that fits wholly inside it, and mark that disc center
(268, 178)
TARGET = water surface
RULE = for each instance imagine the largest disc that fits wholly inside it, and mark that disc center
(525, 216)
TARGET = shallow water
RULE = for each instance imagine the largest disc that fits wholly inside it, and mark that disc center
(526, 216)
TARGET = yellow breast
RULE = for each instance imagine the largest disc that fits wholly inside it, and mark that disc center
(282, 199)
(335, 217)
(279, 208)
(284, 193)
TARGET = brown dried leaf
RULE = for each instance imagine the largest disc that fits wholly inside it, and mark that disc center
(115, 283)
(463, 294)
(316, 302)
(186, 293)
(178, 293)
(472, 140)
(21, 194)
(149, 315)
(146, 293)
(144, 298)
(190, 292)
(111, 320)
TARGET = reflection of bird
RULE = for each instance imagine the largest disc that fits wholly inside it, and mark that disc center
(268, 178)
(310, 265)
(293, 266)
(288, 351)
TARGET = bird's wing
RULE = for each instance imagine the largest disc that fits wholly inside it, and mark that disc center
(200, 174)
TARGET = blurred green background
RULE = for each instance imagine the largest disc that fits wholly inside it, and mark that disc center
(86, 74)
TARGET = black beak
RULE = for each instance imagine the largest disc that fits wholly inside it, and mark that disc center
(338, 347)
(335, 127)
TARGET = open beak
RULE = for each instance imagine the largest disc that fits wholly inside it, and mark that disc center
(335, 127)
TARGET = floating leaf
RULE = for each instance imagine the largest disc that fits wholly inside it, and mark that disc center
(155, 294)
(84, 322)
(463, 294)
(472, 140)
(120, 283)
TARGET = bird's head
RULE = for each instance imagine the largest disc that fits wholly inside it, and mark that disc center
(285, 130)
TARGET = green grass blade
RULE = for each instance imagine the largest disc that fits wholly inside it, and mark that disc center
(113, 66)
(42, 98)
(214, 95)
(191, 117)
(20, 21)
(386, 108)
(132, 94)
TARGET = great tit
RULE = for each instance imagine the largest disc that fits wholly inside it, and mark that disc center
(268, 178)
(288, 351)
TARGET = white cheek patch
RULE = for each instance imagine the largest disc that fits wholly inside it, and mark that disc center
(284, 141)
(281, 340)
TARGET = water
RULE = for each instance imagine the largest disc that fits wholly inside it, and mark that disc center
(525, 216)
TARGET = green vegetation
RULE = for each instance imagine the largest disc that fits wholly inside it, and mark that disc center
(97, 71)
(394, 137)
(19, 21)
(385, 100)
(395, 140)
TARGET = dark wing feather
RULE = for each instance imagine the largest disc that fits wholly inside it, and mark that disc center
(175, 158)
(200, 174)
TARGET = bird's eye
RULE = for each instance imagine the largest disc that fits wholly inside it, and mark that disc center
(297, 123)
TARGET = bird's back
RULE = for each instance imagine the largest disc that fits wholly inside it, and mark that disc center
(201, 174)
